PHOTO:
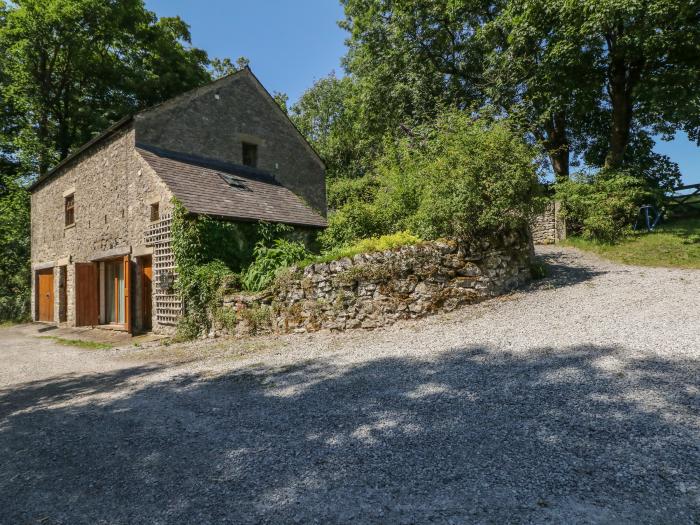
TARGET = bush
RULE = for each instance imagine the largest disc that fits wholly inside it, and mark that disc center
(370, 244)
(602, 206)
(258, 318)
(458, 177)
(268, 260)
(202, 289)
(343, 190)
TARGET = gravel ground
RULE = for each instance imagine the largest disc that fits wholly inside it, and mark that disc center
(576, 400)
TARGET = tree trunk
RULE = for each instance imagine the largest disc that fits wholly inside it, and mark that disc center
(556, 143)
(624, 73)
(621, 120)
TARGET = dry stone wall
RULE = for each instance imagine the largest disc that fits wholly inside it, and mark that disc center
(548, 227)
(377, 289)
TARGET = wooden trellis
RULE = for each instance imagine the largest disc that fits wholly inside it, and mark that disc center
(168, 304)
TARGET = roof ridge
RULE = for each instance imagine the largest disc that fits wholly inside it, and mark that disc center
(119, 123)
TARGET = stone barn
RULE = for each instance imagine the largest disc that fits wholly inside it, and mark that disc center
(100, 219)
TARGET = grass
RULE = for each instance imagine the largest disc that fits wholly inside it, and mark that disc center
(368, 245)
(675, 244)
(89, 345)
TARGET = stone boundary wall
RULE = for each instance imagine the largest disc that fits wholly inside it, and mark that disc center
(376, 289)
(549, 226)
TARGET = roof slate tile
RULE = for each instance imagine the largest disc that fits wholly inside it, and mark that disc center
(199, 185)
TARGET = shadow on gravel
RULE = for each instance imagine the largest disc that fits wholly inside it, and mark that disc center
(44, 393)
(563, 271)
(574, 435)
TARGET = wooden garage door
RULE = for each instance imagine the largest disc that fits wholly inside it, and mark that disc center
(87, 310)
(45, 294)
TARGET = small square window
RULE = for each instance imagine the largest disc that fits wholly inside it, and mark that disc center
(155, 212)
(250, 154)
(69, 209)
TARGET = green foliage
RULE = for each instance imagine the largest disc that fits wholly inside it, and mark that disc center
(258, 318)
(368, 245)
(330, 115)
(210, 253)
(72, 67)
(343, 190)
(198, 239)
(269, 260)
(602, 206)
(355, 220)
(580, 78)
(673, 244)
(205, 253)
(15, 247)
(187, 329)
(456, 177)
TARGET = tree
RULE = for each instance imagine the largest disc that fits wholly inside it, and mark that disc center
(577, 75)
(541, 76)
(649, 54)
(412, 58)
(222, 67)
(331, 116)
(72, 67)
(14, 244)
(69, 69)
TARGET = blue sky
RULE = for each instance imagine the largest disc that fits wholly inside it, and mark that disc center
(291, 43)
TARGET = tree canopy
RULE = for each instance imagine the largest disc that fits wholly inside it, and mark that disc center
(69, 69)
(589, 81)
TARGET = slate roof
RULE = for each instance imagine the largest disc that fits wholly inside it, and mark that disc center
(248, 195)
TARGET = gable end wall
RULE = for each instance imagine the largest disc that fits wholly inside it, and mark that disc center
(213, 121)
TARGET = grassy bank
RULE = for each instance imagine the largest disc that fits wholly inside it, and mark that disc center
(674, 244)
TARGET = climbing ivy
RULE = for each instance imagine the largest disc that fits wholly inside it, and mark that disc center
(210, 255)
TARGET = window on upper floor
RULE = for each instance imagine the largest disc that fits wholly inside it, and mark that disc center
(250, 154)
(69, 209)
(155, 212)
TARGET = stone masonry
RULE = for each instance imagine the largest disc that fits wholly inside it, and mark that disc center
(549, 226)
(376, 289)
(113, 186)
(113, 189)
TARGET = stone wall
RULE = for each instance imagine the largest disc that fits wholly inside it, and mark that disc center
(113, 189)
(377, 289)
(548, 227)
(213, 121)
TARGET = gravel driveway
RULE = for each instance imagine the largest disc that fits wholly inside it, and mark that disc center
(576, 400)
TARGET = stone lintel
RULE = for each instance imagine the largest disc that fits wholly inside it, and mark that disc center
(139, 251)
(43, 265)
(119, 251)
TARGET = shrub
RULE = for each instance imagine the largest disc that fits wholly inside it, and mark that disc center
(269, 260)
(259, 318)
(202, 289)
(187, 329)
(458, 177)
(602, 206)
(343, 190)
(370, 244)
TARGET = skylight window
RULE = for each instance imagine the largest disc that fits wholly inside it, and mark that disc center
(233, 181)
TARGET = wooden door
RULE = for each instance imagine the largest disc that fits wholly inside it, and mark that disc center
(147, 292)
(45, 294)
(127, 295)
(87, 310)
